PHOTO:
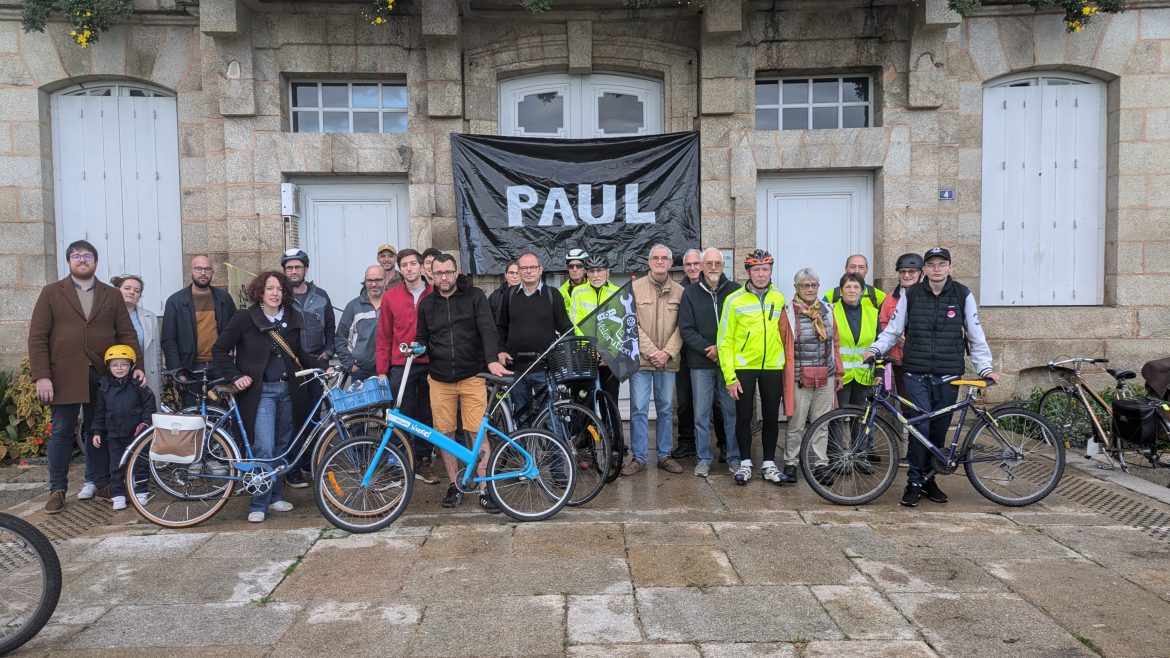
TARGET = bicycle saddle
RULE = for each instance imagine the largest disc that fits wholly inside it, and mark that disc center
(1121, 375)
(502, 381)
(224, 389)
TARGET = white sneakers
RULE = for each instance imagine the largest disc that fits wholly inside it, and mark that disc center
(119, 502)
(281, 506)
(771, 473)
(744, 473)
(87, 491)
(143, 498)
(256, 517)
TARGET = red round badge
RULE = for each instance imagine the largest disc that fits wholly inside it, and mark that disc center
(951, 313)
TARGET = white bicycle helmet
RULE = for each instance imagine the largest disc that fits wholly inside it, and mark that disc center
(576, 254)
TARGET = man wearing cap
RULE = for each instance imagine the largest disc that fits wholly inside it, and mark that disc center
(939, 318)
(575, 263)
(388, 259)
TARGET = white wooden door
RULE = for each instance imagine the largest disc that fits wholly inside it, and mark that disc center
(1043, 198)
(116, 174)
(814, 221)
(343, 224)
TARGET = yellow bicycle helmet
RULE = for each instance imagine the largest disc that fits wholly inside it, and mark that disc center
(120, 352)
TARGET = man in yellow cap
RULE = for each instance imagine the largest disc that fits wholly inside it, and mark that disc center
(388, 259)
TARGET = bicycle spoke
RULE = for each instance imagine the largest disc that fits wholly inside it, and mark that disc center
(1017, 461)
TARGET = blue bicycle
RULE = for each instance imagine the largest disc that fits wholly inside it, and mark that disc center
(364, 484)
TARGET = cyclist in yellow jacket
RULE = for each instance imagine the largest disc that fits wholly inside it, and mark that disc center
(858, 329)
(751, 340)
(586, 298)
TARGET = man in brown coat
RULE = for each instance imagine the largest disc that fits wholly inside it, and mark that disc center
(73, 323)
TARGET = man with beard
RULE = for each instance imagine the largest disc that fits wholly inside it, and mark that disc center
(74, 322)
(388, 259)
(358, 328)
(192, 319)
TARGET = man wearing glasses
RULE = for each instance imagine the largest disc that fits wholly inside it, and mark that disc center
(192, 319)
(73, 323)
(575, 263)
(685, 446)
(531, 316)
(357, 330)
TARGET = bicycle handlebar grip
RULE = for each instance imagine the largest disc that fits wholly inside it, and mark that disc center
(413, 348)
(1100, 360)
(305, 373)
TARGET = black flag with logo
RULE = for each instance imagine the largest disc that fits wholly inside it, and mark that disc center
(616, 197)
(612, 327)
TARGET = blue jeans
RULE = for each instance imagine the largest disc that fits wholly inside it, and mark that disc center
(707, 389)
(928, 393)
(61, 441)
(273, 431)
(663, 383)
(523, 393)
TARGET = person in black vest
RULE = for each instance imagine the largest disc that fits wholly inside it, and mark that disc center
(531, 316)
(940, 319)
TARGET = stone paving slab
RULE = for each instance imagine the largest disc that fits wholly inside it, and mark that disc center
(930, 575)
(896, 649)
(977, 540)
(681, 566)
(778, 554)
(603, 619)
(636, 651)
(730, 614)
(355, 568)
(516, 576)
(501, 626)
(335, 628)
(183, 625)
(569, 540)
(863, 614)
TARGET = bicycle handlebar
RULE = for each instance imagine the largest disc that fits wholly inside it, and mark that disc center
(413, 349)
(1076, 360)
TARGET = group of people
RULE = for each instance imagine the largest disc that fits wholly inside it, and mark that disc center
(707, 343)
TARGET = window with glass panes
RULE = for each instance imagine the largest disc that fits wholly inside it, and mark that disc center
(347, 107)
(814, 103)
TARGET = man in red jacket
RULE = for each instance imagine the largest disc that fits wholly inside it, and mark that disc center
(397, 321)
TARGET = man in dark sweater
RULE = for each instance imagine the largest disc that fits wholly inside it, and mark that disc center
(531, 316)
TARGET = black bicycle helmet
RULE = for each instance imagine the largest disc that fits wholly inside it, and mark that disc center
(595, 262)
(294, 254)
(909, 261)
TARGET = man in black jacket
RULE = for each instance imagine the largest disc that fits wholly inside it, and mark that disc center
(531, 316)
(192, 319)
(698, 321)
(455, 325)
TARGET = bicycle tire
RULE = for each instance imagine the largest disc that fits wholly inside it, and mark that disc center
(342, 499)
(538, 498)
(364, 425)
(212, 416)
(30, 565)
(1065, 413)
(611, 418)
(1023, 455)
(590, 443)
(501, 417)
(174, 497)
(847, 475)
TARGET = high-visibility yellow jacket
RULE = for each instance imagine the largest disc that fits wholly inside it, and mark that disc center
(567, 289)
(852, 351)
(749, 333)
(586, 298)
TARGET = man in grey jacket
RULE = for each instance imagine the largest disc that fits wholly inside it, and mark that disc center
(357, 330)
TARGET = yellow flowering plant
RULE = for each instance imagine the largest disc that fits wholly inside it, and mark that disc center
(377, 12)
(1077, 13)
(87, 18)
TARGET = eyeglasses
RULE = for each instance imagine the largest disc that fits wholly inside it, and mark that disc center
(205, 270)
(441, 274)
(660, 258)
(811, 285)
(907, 272)
(576, 266)
(692, 264)
(529, 268)
(294, 268)
(938, 265)
(79, 256)
(375, 280)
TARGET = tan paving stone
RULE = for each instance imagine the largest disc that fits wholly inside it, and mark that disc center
(516, 576)
(976, 540)
(352, 629)
(634, 651)
(535, 626)
(767, 554)
(1059, 518)
(868, 649)
(172, 651)
(770, 649)
(669, 534)
(188, 626)
(568, 540)
(282, 544)
(152, 547)
(929, 575)
(190, 580)
(859, 540)
(680, 566)
(733, 614)
(354, 568)
(462, 541)
(1130, 552)
(862, 614)
(1093, 602)
(987, 625)
(603, 619)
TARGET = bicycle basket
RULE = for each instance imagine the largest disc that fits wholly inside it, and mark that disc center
(372, 392)
(573, 361)
(1134, 422)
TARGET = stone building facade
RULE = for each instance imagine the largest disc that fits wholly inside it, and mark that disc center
(230, 65)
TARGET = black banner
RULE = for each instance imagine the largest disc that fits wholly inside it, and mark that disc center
(617, 197)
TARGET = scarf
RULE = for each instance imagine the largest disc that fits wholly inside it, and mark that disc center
(816, 313)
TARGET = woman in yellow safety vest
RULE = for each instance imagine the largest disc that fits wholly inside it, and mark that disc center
(857, 325)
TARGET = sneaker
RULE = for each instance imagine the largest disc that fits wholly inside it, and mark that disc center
(216, 468)
(732, 466)
(281, 506)
(683, 450)
(56, 502)
(930, 490)
(119, 503)
(142, 498)
(425, 472)
(669, 465)
(87, 491)
(743, 474)
(104, 494)
(256, 517)
(453, 497)
(295, 479)
(633, 468)
(912, 494)
(789, 474)
(703, 469)
(488, 505)
(770, 474)
(823, 476)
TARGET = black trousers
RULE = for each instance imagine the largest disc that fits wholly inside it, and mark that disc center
(771, 386)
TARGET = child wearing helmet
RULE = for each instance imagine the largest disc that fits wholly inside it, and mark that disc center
(122, 409)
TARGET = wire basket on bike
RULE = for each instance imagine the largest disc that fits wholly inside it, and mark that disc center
(573, 360)
(372, 392)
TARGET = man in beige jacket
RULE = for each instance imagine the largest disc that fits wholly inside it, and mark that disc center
(656, 298)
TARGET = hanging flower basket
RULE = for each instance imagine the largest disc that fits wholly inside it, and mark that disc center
(377, 12)
(1077, 13)
(88, 18)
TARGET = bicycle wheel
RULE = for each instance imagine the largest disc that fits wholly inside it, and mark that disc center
(364, 425)
(343, 500)
(501, 417)
(539, 497)
(30, 581)
(847, 461)
(175, 495)
(1065, 413)
(1015, 462)
(211, 449)
(586, 434)
(611, 418)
